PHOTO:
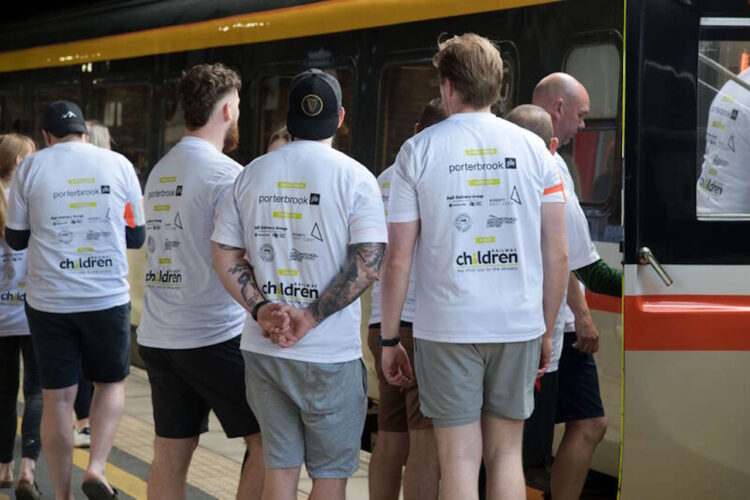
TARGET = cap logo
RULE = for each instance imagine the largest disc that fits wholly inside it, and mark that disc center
(69, 114)
(312, 105)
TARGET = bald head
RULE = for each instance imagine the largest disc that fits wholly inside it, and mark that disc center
(567, 102)
(532, 118)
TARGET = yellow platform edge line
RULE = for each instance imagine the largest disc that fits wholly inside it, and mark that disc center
(329, 16)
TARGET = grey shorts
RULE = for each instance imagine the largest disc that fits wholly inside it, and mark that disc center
(460, 382)
(311, 413)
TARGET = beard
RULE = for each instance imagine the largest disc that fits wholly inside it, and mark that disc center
(231, 138)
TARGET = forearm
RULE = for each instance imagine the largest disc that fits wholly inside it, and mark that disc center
(601, 278)
(359, 272)
(554, 261)
(236, 274)
(394, 286)
(576, 299)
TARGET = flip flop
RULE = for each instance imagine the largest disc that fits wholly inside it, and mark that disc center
(97, 490)
(27, 491)
(6, 484)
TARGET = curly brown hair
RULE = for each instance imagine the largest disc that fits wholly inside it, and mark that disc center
(201, 87)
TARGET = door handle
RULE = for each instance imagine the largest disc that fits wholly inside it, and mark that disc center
(646, 256)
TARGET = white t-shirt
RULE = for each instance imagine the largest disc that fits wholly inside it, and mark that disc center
(407, 314)
(581, 253)
(185, 305)
(477, 183)
(724, 184)
(12, 290)
(296, 211)
(73, 197)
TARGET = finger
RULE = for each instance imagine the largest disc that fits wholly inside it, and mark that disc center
(406, 370)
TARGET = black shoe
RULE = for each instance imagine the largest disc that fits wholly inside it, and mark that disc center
(97, 490)
(27, 491)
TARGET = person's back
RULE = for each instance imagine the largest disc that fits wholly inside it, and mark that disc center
(483, 178)
(182, 198)
(76, 195)
(299, 200)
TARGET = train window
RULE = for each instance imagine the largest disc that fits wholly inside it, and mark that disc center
(274, 91)
(43, 97)
(124, 109)
(174, 122)
(723, 121)
(594, 158)
(12, 117)
(404, 90)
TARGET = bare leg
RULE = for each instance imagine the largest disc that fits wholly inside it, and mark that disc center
(6, 471)
(573, 457)
(280, 484)
(106, 410)
(460, 451)
(384, 478)
(26, 473)
(57, 437)
(502, 458)
(82, 424)
(328, 489)
(422, 473)
(168, 474)
(251, 479)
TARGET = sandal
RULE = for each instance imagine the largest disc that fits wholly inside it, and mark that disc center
(97, 490)
(27, 491)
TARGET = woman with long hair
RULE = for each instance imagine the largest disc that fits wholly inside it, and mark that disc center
(15, 342)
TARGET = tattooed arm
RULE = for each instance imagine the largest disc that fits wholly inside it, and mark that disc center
(359, 272)
(236, 274)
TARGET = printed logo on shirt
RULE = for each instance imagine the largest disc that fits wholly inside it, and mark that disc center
(483, 240)
(481, 152)
(487, 259)
(75, 193)
(734, 114)
(151, 244)
(710, 186)
(89, 263)
(510, 163)
(164, 193)
(484, 182)
(64, 236)
(83, 204)
(105, 189)
(164, 278)
(266, 252)
(297, 256)
(170, 244)
(282, 198)
(314, 199)
(315, 233)
(92, 235)
(83, 180)
(475, 167)
(303, 292)
(11, 298)
(465, 200)
(493, 221)
(291, 185)
(270, 232)
(178, 191)
(167, 180)
(462, 222)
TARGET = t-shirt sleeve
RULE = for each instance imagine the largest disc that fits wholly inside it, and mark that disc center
(554, 192)
(228, 229)
(134, 215)
(222, 187)
(581, 250)
(403, 205)
(367, 219)
(18, 208)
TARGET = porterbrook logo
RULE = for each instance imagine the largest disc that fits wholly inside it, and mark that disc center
(493, 257)
(74, 193)
(89, 262)
(289, 290)
(164, 277)
(164, 193)
(281, 198)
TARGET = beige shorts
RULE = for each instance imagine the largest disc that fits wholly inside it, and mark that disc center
(460, 382)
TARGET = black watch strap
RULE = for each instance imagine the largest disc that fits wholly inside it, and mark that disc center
(389, 342)
(257, 307)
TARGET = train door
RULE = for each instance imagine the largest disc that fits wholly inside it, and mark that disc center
(687, 250)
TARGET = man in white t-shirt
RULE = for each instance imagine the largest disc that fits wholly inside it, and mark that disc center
(77, 207)
(724, 183)
(486, 201)
(406, 439)
(310, 220)
(189, 335)
(573, 392)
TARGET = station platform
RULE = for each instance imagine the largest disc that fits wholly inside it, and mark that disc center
(214, 471)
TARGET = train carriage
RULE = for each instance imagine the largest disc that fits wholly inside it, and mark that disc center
(673, 351)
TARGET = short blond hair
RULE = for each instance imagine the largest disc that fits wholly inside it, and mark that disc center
(473, 65)
(533, 118)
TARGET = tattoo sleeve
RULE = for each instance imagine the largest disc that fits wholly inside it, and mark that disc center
(359, 272)
(236, 274)
(243, 273)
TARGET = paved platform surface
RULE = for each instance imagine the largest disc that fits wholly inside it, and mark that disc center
(214, 471)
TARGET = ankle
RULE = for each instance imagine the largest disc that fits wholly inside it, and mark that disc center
(6, 471)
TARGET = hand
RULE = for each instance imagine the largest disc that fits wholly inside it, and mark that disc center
(545, 355)
(273, 319)
(396, 366)
(300, 322)
(587, 336)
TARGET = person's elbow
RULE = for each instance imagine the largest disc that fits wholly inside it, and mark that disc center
(135, 236)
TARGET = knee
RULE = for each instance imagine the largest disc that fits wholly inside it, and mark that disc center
(394, 445)
(174, 450)
(593, 430)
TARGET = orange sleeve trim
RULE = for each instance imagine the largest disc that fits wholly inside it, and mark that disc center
(129, 216)
(555, 189)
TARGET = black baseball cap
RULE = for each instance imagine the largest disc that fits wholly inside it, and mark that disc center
(62, 118)
(314, 105)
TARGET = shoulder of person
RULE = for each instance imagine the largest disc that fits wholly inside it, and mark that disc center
(385, 175)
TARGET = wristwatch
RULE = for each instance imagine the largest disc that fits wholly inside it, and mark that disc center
(389, 342)
(257, 307)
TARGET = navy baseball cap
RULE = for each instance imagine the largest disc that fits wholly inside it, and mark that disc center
(62, 118)
(314, 105)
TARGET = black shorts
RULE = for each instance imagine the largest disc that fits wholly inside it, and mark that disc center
(97, 341)
(539, 428)
(187, 383)
(578, 397)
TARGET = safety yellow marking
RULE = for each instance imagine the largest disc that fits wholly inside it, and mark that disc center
(117, 477)
(329, 16)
